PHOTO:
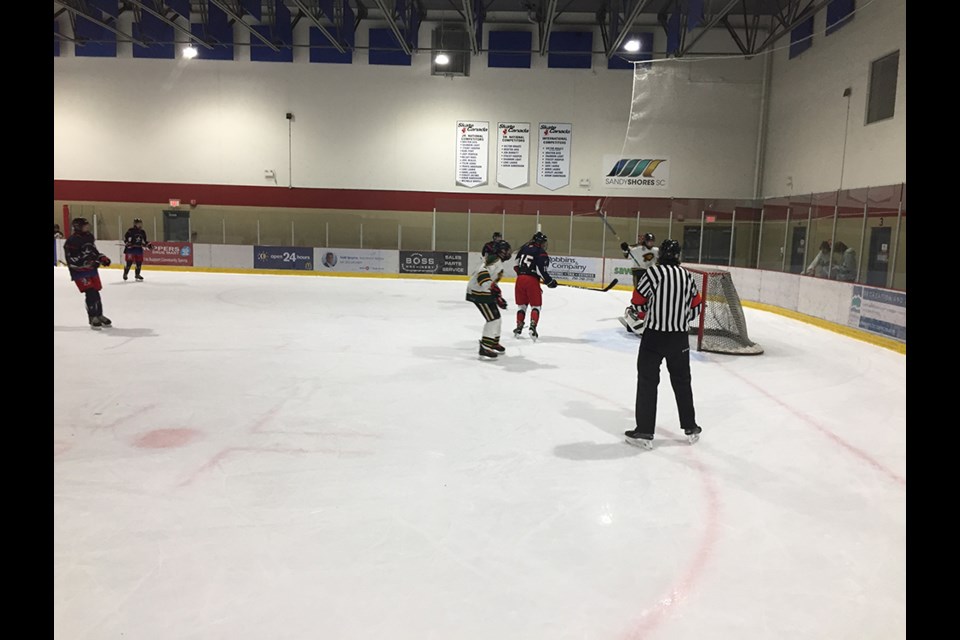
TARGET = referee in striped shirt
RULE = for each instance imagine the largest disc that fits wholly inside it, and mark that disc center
(671, 301)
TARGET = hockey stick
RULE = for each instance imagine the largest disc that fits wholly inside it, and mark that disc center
(612, 284)
(603, 217)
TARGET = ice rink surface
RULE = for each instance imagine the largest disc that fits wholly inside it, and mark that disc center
(282, 457)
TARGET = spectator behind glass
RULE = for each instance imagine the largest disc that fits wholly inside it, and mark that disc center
(846, 268)
(56, 231)
(820, 267)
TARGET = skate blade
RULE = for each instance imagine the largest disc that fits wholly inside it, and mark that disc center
(693, 438)
(640, 443)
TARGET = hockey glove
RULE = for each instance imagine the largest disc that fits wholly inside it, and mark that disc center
(495, 290)
(501, 302)
(624, 247)
(104, 260)
(552, 284)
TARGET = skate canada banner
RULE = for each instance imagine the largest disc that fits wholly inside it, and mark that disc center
(356, 260)
(434, 262)
(178, 254)
(293, 258)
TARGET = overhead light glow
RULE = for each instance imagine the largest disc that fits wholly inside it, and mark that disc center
(632, 45)
(442, 58)
(190, 52)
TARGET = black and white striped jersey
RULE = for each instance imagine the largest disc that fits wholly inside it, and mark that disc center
(671, 298)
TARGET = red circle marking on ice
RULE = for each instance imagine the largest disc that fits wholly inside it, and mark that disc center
(165, 438)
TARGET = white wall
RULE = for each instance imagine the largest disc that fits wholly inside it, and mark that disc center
(376, 127)
(807, 113)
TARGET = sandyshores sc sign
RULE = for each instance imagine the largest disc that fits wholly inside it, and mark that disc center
(636, 173)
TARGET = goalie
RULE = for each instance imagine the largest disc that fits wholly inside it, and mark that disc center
(644, 255)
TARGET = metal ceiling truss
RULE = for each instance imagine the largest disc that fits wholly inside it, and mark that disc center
(473, 14)
(234, 11)
(788, 17)
(314, 10)
(82, 9)
(711, 22)
(616, 18)
(403, 17)
(546, 13)
(157, 9)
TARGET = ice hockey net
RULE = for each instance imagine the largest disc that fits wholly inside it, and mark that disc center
(721, 327)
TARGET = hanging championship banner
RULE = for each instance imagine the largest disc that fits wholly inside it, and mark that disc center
(513, 154)
(553, 168)
(472, 153)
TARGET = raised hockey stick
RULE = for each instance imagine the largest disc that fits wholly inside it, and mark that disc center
(603, 217)
(612, 284)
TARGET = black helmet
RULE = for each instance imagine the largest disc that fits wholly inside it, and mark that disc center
(497, 235)
(648, 237)
(503, 250)
(78, 224)
(138, 221)
(539, 238)
(670, 252)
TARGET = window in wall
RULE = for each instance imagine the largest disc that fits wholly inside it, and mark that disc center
(882, 96)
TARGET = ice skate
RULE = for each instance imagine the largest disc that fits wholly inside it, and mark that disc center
(518, 330)
(637, 439)
(105, 321)
(533, 331)
(487, 353)
(95, 322)
(693, 435)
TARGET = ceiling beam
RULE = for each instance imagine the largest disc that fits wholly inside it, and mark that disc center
(471, 19)
(391, 21)
(98, 21)
(227, 9)
(638, 8)
(787, 28)
(163, 18)
(717, 17)
(546, 25)
(323, 29)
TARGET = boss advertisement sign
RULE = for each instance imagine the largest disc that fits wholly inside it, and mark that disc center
(355, 260)
(576, 269)
(650, 172)
(435, 262)
(179, 254)
(294, 258)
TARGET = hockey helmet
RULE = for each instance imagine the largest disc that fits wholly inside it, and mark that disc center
(503, 250)
(539, 238)
(138, 221)
(648, 237)
(78, 224)
(670, 252)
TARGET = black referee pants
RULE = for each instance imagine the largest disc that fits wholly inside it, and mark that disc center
(656, 346)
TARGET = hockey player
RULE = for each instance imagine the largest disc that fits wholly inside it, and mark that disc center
(84, 260)
(643, 255)
(491, 247)
(483, 290)
(133, 243)
(531, 259)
